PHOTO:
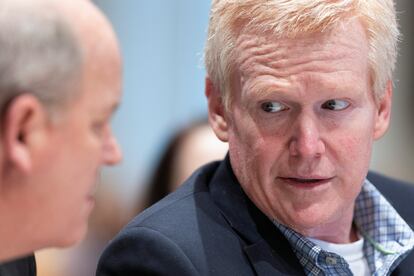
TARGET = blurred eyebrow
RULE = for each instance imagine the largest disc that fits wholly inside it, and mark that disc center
(267, 92)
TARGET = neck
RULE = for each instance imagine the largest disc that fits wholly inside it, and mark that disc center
(339, 231)
(351, 236)
(14, 239)
(18, 230)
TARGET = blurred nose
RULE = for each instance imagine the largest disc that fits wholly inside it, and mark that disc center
(306, 140)
(112, 152)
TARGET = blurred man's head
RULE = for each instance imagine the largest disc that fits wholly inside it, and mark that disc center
(60, 82)
(300, 90)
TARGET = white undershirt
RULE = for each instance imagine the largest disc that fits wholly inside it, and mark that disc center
(352, 253)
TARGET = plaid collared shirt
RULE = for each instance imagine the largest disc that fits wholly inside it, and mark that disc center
(387, 239)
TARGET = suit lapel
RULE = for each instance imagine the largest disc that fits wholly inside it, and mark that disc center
(266, 261)
(266, 248)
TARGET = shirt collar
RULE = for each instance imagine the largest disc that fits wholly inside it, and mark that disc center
(388, 238)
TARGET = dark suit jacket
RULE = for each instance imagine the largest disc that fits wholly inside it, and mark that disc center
(210, 227)
(21, 267)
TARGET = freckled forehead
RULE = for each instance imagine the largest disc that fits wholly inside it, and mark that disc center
(347, 41)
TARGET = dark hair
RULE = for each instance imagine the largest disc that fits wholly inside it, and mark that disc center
(160, 183)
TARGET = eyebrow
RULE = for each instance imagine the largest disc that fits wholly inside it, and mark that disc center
(267, 91)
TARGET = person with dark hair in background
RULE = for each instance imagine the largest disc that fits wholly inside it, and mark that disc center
(188, 149)
(300, 90)
(60, 81)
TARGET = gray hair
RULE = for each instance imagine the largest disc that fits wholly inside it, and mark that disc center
(39, 54)
(291, 18)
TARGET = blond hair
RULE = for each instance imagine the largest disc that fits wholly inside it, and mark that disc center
(291, 18)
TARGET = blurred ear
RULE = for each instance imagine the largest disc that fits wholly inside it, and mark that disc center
(216, 111)
(383, 115)
(24, 119)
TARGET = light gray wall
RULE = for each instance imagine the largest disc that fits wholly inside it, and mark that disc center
(161, 42)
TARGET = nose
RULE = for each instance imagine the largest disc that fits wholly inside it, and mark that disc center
(306, 140)
(112, 152)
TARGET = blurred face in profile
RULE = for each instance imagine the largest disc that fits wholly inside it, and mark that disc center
(80, 141)
(301, 125)
(83, 142)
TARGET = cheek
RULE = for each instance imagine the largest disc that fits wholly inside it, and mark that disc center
(242, 137)
(87, 147)
(253, 156)
(352, 149)
(249, 134)
(246, 140)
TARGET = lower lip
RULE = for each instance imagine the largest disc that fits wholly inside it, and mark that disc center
(305, 185)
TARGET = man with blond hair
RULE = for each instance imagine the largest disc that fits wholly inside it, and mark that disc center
(60, 81)
(300, 90)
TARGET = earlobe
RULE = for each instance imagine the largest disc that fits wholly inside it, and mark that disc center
(216, 111)
(22, 119)
(383, 115)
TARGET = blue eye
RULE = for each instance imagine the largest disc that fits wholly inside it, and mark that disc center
(272, 107)
(335, 105)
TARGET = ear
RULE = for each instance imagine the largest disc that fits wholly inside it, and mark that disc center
(216, 111)
(23, 119)
(383, 115)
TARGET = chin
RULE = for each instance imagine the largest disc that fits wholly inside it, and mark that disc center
(307, 221)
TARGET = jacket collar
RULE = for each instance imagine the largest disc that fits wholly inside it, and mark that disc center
(265, 246)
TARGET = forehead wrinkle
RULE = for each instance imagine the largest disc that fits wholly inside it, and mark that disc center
(269, 86)
(283, 75)
(252, 52)
(284, 52)
(261, 60)
(311, 66)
